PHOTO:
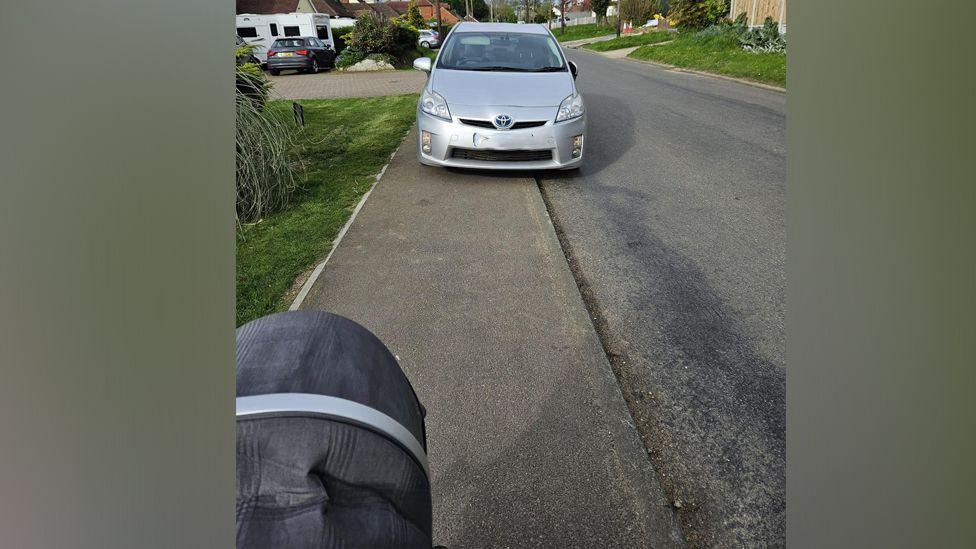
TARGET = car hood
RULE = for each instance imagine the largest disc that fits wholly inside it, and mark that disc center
(508, 89)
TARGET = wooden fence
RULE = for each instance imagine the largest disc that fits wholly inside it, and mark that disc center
(758, 10)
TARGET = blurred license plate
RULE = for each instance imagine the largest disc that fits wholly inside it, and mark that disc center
(285, 54)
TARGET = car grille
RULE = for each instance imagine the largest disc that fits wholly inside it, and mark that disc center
(502, 156)
(532, 124)
(479, 123)
(515, 126)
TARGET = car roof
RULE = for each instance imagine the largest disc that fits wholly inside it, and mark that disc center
(526, 28)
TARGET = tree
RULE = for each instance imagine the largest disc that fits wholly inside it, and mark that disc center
(440, 26)
(543, 12)
(639, 11)
(414, 17)
(479, 9)
(505, 13)
(600, 8)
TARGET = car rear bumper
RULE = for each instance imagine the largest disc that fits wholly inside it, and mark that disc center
(289, 63)
(459, 145)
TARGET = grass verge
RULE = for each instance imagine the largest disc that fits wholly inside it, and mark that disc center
(578, 32)
(345, 143)
(631, 41)
(721, 54)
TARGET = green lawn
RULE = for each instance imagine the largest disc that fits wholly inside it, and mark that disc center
(577, 32)
(720, 54)
(632, 40)
(346, 142)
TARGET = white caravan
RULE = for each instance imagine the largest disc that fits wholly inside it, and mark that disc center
(263, 30)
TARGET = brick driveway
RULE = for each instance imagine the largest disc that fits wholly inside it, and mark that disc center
(335, 84)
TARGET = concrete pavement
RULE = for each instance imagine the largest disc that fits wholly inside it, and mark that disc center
(676, 228)
(326, 85)
(530, 441)
(584, 41)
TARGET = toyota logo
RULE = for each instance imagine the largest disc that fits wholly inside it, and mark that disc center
(503, 122)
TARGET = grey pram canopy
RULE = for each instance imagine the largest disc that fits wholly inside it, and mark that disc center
(336, 456)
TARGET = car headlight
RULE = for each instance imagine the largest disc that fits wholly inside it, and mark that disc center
(433, 104)
(571, 107)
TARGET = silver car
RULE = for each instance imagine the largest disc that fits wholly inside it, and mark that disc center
(500, 96)
(428, 38)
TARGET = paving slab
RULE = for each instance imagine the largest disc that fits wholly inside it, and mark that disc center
(584, 41)
(618, 54)
(332, 84)
(530, 441)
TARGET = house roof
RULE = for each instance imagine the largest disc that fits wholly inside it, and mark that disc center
(330, 7)
(403, 6)
(355, 9)
(385, 9)
(333, 8)
(267, 6)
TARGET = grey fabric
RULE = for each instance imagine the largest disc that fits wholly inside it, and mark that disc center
(316, 482)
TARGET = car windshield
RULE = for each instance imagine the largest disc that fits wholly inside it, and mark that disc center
(288, 43)
(501, 51)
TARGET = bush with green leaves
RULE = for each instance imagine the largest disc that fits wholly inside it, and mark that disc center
(266, 168)
(765, 39)
(341, 38)
(698, 14)
(639, 11)
(413, 18)
(349, 57)
(373, 33)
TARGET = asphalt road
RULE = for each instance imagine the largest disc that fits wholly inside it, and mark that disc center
(675, 230)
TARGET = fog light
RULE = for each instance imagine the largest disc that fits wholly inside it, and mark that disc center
(425, 142)
(577, 146)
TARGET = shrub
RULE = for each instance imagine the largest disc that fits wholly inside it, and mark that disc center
(698, 14)
(765, 39)
(265, 169)
(341, 38)
(350, 56)
(413, 17)
(250, 81)
(375, 34)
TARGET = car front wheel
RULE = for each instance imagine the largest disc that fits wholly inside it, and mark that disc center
(425, 44)
(315, 67)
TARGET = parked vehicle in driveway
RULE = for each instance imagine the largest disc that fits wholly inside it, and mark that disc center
(429, 39)
(501, 96)
(262, 30)
(304, 54)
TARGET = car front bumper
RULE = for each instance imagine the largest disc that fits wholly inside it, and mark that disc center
(479, 142)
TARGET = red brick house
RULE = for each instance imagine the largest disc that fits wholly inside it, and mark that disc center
(345, 11)
(427, 10)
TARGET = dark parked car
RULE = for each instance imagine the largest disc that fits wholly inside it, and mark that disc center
(302, 53)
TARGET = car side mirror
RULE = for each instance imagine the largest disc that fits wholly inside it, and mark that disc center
(573, 69)
(422, 64)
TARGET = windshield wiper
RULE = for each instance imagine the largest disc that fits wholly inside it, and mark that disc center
(547, 69)
(495, 68)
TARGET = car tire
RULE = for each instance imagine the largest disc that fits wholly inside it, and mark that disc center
(274, 72)
(314, 69)
(425, 44)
